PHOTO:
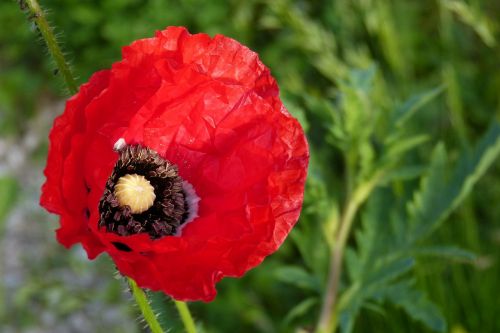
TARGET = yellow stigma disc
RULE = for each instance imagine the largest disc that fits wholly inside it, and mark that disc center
(135, 191)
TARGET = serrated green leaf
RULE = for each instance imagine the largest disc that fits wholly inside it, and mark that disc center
(386, 239)
(415, 304)
(425, 204)
(438, 196)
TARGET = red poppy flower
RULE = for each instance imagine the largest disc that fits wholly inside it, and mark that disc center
(214, 165)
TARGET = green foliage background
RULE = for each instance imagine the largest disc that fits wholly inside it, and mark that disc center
(411, 88)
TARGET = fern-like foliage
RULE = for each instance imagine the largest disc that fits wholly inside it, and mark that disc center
(392, 232)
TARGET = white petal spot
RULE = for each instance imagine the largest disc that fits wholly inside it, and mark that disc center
(119, 144)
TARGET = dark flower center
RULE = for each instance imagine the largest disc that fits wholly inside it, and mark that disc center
(127, 208)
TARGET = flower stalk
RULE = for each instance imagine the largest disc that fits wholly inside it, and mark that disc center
(146, 310)
(38, 16)
(186, 317)
(328, 320)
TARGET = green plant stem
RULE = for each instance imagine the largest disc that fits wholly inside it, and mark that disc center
(38, 16)
(146, 310)
(328, 316)
(186, 317)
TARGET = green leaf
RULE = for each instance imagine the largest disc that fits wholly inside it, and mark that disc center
(299, 310)
(298, 277)
(310, 235)
(363, 78)
(401, 146)
(390, 270)
(473, 18)
(446, 252)
(440, 194)
(404, 173)
(403, 113)
(427, 205)
(387, 240)
(415, 304)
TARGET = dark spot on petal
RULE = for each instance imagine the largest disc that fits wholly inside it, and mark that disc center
(121, 247)
(87, 213)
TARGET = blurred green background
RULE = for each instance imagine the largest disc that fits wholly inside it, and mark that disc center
(412, 45)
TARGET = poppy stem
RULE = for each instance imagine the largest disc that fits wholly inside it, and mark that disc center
(146, 310)
(328, 319)
(186, 317)
(37, 15)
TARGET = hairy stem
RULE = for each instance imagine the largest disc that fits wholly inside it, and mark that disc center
(186, 317)
(328, 317)
(146, 310)
(38, 16)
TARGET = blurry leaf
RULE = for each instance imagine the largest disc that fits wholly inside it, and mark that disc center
(298, 277)
(363, 78)
(318, 43)
(415, 304)
(439, 193)
(352, 263)
(455, 102)
(404, 173)
(377, 269)
(403, 145)
(447, 252)
(390, 271)
(348, 318)
(354, 98)
(413, 104)
(318, 215)
(473, 18)
(299, 310)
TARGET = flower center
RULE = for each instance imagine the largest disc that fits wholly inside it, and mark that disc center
(144, 194)
(135, 191)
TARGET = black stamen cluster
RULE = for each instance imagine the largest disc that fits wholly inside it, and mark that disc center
(169, 209)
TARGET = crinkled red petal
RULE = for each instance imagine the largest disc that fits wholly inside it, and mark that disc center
(211, 107)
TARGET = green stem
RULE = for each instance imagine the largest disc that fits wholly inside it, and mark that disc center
(328, 317)
(186, 317)
(146, 310)
(38, 16)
